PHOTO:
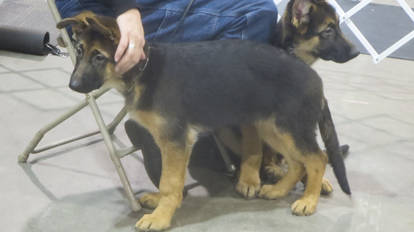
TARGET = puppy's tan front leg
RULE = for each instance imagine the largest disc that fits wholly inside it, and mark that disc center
(174, 163)
(315, 169)
(249, 179)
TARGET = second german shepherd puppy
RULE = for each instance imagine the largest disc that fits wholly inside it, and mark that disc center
(308, 30)
(184, 89)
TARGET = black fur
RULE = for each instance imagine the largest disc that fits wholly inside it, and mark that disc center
(229, 83)
(330, 139)
(218, 84)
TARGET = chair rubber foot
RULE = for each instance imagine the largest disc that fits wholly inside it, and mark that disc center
(22, 158)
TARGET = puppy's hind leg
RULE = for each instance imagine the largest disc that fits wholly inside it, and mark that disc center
(175, 159)
(249, 179)
(283, 143)
(315, 164)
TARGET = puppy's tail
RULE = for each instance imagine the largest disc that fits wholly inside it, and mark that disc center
(330, 139)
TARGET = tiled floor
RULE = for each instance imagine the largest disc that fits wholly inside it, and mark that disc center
(75, 187)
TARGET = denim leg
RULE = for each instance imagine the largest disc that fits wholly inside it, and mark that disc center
(69, 8)
(206, 19)
(210, 20)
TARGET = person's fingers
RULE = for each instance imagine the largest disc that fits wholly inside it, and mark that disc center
(130, 58)
(122, 47)
(130, 48)
(143, 57)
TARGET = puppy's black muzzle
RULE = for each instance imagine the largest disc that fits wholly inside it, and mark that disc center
(340, 54)
(351, 54)
(344, 50)
(84, 84)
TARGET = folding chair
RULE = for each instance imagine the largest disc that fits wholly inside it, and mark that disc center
(105, 130)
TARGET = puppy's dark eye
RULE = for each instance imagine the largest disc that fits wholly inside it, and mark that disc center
(328, 33)
(98, 58)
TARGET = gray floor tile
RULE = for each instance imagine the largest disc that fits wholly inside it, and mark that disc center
(45, 99)
(2, 70)
(396, 128)
(22, 62)
(50, 77)
(11, 82)
(75, 187)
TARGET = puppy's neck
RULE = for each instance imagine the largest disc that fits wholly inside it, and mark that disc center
(284, 38)
(132, 77)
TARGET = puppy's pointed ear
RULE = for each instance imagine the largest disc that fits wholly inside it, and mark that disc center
(301, 10)
(78, 22)
(106, 26)
(75, 23)
(66, 22)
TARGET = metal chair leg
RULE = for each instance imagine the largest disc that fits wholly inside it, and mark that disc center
(231, 168)
(114, 155)
(40, 134)
(106, 131)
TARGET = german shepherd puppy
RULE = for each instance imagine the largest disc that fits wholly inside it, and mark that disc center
(308, 30)
(182, 90)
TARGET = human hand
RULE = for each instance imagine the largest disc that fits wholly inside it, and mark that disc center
(130, 49)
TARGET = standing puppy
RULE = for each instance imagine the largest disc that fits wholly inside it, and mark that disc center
(185, 89)
(308, 30)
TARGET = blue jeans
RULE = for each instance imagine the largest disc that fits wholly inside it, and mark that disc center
(206, 19)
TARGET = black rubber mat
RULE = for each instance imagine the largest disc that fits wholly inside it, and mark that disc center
(23, 40)
(382, 25)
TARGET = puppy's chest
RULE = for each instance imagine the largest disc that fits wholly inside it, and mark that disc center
(145, 116)
(133, 97)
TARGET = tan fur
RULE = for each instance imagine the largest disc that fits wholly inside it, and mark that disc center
(112, 82)
(299, 164)
(249, 179)
(304, 49)
(315, 168)
(272, 165)
(175, 159)
(152, 121)
(150, 200)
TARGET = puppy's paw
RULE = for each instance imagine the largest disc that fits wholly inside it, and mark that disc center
(248, 189)
(304, 206)
(273, 172)
(272, 192)
(153, 222)
(150, 200)
(326, 187)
